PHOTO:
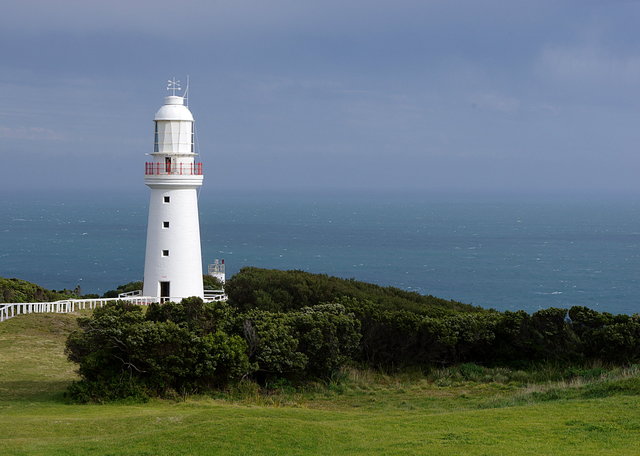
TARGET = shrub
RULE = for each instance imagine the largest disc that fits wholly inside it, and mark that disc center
(282, 291)
(328, 336)
(312, 343)
(180, 347)
(272, 345)
(289, 326)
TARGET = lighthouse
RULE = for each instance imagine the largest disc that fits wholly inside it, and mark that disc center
(173, 258)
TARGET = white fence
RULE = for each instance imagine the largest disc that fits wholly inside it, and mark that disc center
(214, 295)
(8, 310)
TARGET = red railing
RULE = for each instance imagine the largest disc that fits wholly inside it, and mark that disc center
(181, 169)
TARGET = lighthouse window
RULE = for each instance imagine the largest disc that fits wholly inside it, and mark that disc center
(165, 224)
(192, 137)
(167, 199)
(165, 253)
(155, 140)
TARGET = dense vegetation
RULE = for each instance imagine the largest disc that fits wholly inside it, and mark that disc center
(17, 290)
(460, 410)
(281, 291)
(191, 346)
(553, 408)
(401, 328)
(296, 326)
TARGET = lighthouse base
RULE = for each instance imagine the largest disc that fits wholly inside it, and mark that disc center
(173, 259)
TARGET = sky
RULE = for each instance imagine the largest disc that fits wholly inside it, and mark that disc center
(506, 97)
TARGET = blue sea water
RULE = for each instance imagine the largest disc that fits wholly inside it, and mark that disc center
(506, 255)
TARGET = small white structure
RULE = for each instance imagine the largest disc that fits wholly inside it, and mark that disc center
(217, 270)
(173, 259)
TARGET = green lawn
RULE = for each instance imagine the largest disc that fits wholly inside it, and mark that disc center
(366, 413)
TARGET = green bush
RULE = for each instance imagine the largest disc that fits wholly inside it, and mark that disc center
(328, 336)
(282, 291)
(272, 345)
(291, 326)
(185, 351)
(314, 342)
(107, 390)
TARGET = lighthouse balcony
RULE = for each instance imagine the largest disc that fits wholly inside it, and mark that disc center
(178, 169)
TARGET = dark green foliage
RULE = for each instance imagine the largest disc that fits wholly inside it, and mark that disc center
(399, 338)
(123, 351)
(290, 326)
(328, 336)
(273, 345)
(98, 346)
(211, 283)
(552, 337)
(402, 329)
(544, 335)
(126, 288)
(396, 338)
(282, 291)
(314, 342)
(182, 349)
(387, 335)
(16, 290)
(513, 338)
(115, 388)
(193, 313)
(606, 336)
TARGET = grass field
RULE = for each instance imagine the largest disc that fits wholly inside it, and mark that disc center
(363, 413)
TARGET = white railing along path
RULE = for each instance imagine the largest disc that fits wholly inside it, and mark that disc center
(11, 309)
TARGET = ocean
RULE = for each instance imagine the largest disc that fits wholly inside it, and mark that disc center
(507, 255)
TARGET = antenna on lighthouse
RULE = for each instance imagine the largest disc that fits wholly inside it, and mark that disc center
(173, 85)
(186, 93)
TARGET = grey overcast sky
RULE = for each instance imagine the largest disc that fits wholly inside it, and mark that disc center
(433, 96)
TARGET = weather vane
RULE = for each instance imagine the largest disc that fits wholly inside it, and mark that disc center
(173, 85)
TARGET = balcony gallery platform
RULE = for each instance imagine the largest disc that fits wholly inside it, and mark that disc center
(166, 169)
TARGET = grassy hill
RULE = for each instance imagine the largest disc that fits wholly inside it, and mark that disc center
(467, 410)
(18, 290)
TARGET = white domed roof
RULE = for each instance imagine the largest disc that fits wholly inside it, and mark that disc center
(174, 109)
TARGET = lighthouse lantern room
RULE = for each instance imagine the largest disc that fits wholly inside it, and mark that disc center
(173, 258)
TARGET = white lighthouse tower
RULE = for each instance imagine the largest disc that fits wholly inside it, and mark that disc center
(173, 259)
